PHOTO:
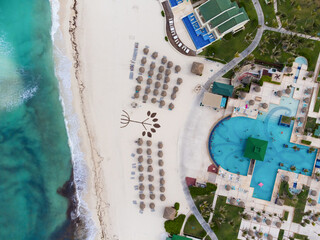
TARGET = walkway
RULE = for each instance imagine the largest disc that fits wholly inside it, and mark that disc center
(284, 31)
(275, 5)
(171, 32)
(230, 65)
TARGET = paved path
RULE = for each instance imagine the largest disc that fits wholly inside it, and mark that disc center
(284, 31)
(230, 65)
(275, 5)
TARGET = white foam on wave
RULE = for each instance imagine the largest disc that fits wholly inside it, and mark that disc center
(62, 70)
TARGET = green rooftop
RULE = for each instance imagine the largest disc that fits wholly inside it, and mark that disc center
(212, 8)
(233, 21)
(255, 149)
(222, 89)
(177, 237)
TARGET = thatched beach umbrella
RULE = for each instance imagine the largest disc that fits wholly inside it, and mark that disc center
(258, 219)
(233, 201)
(257, 88)
(147, 90)
(163, 93)
(175, 89)
(228, 187)
(241, 204)
(313, 193)
(162, 197)
(162, 189)
(264, 105)
(314, 218)
(308, 91)
(169, 64)
(179, 81)
(269, 237)
(161, 172)
(139, 79)
(141, 69)
(139, 150)
(279, 93)
(242, 95)
(143, 60)
(152, 65)
(287, 91)
(149, 81)
(173, 96)
(160, 145)
(268, 222)
(159, 76)
(141, 178)
(140, 141)
(161, 69)
(288, 69)
(162, 103)
(248, 217)
(140, 168)
(164, 60)
(165, 86)
(313, 202)
(301, 119)
(160, 153)
(156, 91)
(306, 100)
(286, 178)
(162, 181)
(171, 106)
(142, 205)
(149, 151)
(142, 196)
(157, 84)
(166, 79)
(153, 100)
(138, 88)
(141, 187)
(136, 95)
(278, 224)
(149, 161)
(160, 162)
(150, 73)
(251, 233)
(251, 102)
(152, 205)
(146, 50)
(140, 159)
(149, 143)
(168, 72)
(177, 68)
(145, 97)
(150, 169)
(151, 188)
(303, 110)
(154, 55)
(152, 196)
(150, 178)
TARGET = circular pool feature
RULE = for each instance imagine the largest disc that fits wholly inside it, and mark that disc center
(301, 60)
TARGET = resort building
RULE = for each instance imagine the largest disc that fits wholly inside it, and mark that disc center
(214, 19)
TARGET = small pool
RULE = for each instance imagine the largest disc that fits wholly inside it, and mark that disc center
(174, 3)
(227, 142)
(301, 60)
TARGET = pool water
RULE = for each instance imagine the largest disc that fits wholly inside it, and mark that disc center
(301, 60)
(228, 140)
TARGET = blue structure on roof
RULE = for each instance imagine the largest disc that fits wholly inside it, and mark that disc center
(318, 163)
(199, 36)
(174, 3)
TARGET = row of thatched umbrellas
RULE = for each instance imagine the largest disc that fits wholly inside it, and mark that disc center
(167, 72)
(159, 77)
(152, 205)
(252, 234)
(151, 179)
(233, 201)
(149, 143)
(149, 152)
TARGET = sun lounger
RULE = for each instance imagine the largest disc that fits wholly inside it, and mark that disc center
(175, 37)
(180, 44)
(187, 50)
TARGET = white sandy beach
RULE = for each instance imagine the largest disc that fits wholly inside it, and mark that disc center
(105, 35)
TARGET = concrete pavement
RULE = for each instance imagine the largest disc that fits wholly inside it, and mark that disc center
(284, 31)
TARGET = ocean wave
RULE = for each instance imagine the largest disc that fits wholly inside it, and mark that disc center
(62, 71)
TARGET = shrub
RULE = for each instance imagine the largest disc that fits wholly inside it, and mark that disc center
(162, 13)
(228, 36)
(174, 226)
(177, 206)
(306, 142)
(166, 38)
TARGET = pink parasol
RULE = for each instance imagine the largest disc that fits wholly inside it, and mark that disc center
(260, 184)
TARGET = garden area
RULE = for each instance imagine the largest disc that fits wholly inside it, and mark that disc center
(311, 126)
(173, 227)
(297, 201)
(226, 219)
(193, 228)
(225, 49)
(269, 14)
(300, 15)
(317, 104)
(280, 48)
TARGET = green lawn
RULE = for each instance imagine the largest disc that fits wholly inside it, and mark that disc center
(229, 227)
(225, 49)
(174, 226)
(300, 15)
(208, 238)
(193, 228)
(299, 236)
(269, 14)
(200, 199)
(317, 104)
(298, 203)
(281, 233)
(280, 48)
(311, 125)
(285, 215)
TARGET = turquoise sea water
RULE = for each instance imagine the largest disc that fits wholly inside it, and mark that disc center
(228, 143)
(35, 156)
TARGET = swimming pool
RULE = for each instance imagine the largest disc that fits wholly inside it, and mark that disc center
(301, 60)
(227, 142)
